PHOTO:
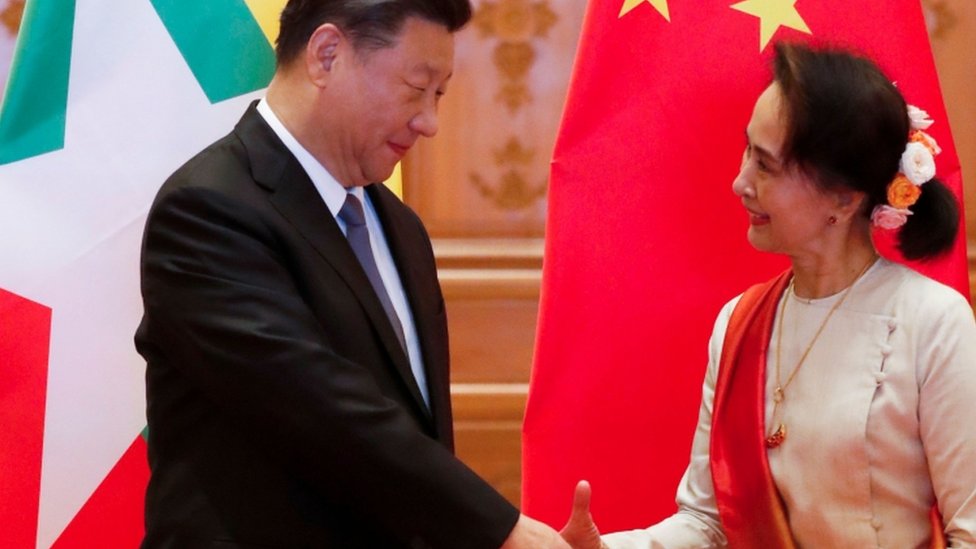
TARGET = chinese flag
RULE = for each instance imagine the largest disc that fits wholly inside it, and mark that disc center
(645, 240)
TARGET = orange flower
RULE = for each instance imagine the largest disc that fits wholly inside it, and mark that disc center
(902, 193)
(919, 136)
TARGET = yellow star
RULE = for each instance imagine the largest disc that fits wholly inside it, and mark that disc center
(660, 5)
(772, 15)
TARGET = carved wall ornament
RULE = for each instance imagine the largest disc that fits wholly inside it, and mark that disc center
(513, 153)
(11, 15)
(513, 192)
(938, 18)
(515, 23)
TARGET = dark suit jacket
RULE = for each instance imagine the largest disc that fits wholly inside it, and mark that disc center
(282, 410)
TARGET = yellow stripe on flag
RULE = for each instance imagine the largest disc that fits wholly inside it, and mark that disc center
(266, 13)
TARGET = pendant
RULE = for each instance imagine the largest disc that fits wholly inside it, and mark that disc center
(777, 438)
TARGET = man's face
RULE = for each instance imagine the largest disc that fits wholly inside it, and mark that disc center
(388, 99)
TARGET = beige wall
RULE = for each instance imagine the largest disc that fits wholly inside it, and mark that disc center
(953, 30)
(10, 15)
(952, 25)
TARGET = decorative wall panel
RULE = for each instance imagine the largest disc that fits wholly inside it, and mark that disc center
(485, 173)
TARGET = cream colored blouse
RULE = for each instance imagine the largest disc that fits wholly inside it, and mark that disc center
(880, 419)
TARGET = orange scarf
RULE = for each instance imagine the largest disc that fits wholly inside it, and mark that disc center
(749, 504)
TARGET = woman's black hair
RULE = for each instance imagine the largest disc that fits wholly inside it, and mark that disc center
(848, 125)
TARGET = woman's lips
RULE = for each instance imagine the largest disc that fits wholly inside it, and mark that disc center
(756, 219)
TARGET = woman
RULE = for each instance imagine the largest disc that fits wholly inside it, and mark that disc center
(857, 427)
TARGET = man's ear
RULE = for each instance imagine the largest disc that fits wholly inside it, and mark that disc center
(321, 51)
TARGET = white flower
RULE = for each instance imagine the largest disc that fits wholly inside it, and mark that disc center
(920, 119)
(917, 163)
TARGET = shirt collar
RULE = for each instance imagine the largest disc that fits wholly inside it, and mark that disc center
(331, 191)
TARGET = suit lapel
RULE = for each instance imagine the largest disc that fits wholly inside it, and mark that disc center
(292, 193)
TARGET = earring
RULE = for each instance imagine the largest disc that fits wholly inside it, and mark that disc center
(832, 220)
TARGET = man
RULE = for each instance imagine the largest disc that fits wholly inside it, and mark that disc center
(297, 381)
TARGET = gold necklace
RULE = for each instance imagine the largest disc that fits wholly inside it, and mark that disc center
(779, 393)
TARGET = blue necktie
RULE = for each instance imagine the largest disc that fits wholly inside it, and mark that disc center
(358, 236)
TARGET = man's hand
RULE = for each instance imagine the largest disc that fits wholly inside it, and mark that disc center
(580, 530)
(532, 534)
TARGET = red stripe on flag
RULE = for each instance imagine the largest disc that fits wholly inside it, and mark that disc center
(25, 330)
(113, 515)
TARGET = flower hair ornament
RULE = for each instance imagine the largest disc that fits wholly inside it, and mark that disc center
(917, 167)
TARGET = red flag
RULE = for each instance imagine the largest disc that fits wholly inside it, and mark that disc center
(25, 333)
(645, 240)
(114, 515)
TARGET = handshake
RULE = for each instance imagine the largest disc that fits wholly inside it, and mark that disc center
(580, 532)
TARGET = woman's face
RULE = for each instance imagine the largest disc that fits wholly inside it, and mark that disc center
(788, 213)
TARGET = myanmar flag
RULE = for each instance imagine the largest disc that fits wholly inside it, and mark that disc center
(645, 240)
(105, 100)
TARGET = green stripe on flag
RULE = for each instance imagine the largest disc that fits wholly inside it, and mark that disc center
(32, 115)
(221, 42)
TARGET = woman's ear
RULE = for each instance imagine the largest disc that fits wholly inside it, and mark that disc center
(849, 203)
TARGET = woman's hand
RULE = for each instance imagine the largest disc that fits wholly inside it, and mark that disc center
(580, 530)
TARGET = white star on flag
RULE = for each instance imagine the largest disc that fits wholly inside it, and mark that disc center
(72, 222)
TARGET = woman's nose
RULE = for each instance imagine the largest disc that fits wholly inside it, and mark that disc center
(741, 185)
